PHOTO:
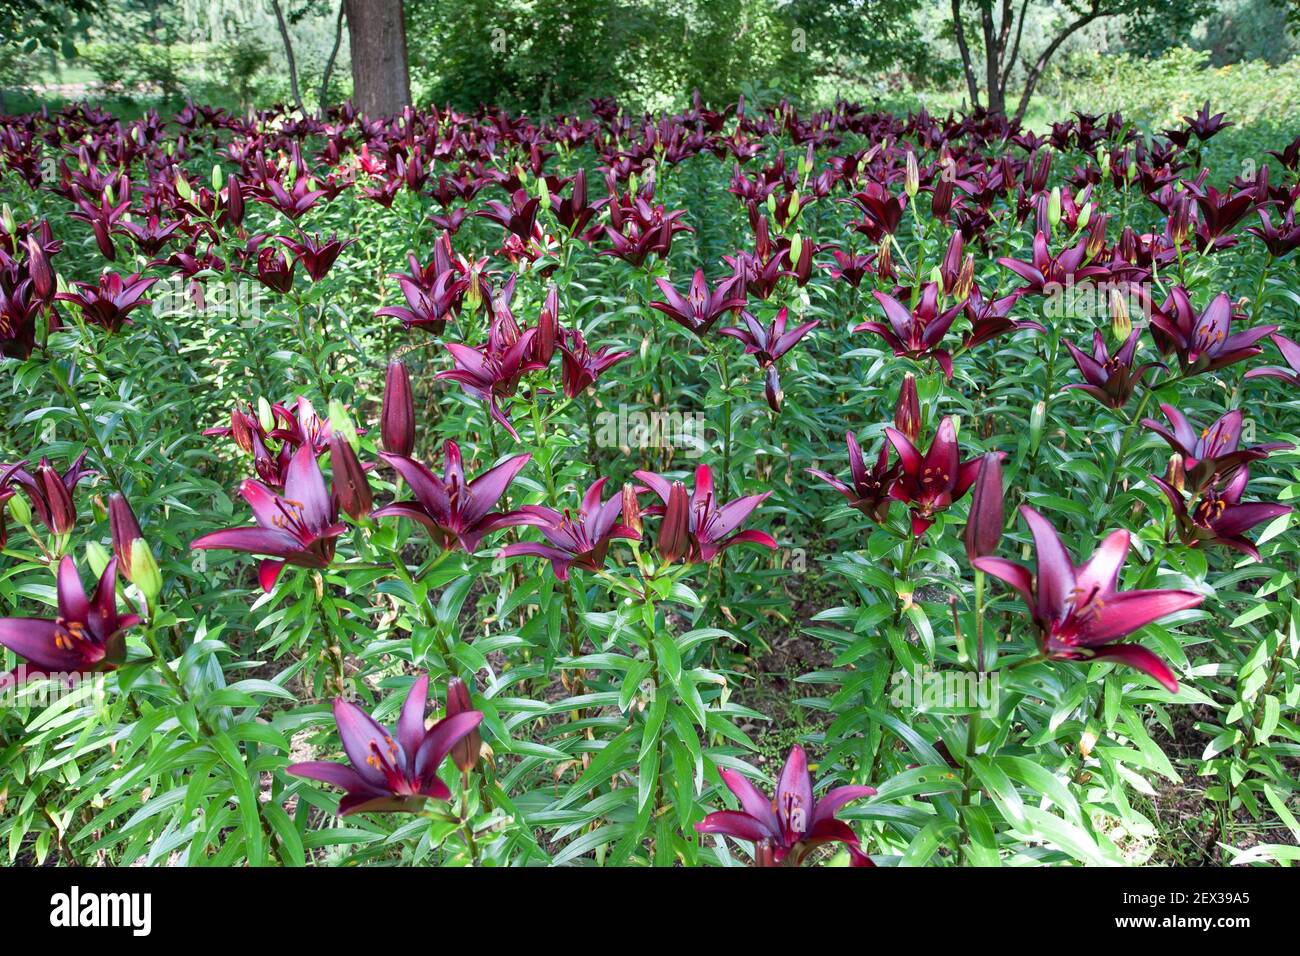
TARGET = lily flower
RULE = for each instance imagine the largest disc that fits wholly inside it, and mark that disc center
(581, 365)
(915, 334)
(1079, 611)
(991, 318)
(298, 528)
(86, 635)
(869, 491)
(455, 512)
(391, 772)
(930, 483)
(109, 302)
(786, 827)
(708, 526)
(51, 493)
(1218, 516)
(700, 308)
(1215, 452)
(317, 256)
(1205, 341)
(275, 270)
(1109, 379)
(767, 344)
(494, 371)
(1046, 273)
(580, 540)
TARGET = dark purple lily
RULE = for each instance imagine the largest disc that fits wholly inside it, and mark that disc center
(1046, 273)
(1217, 516)
(455, 512)
(316, 255)
(1079, 611)
(1205, 341)
(869, 492)
(391, 772)
(700, 308)
(109, 302)
(708, 527)
(767, 344)
(928, 484)
(1212, 454)
(793, 822)
(85, 636)
(298, 528)
(1109, 379)
(581, 365)
(915, 334)
(580, 540)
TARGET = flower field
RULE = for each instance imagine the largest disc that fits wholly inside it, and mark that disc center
(733, 486)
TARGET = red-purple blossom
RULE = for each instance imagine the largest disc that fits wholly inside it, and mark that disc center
(580, 365)
(915, 333)
(929, 483)
(1079, 611)
(316, 255)
(456, 512)
(1204, 341)
(391, 772)
(580, 540)
(1216, 514)
(869, 491)
(1290, 354)
(786, 827)
(1212, 454)
(297, 528)
(1110, 379)
(709, 527)
(85, 635)
(109, 302)
(699, 309)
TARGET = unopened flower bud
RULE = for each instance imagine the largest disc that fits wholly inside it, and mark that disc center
(20, 510)
(144, 572)
(397, 424)
(907, 410)
(265, 416)
(631, 509)
(1121, 324)
(674, 529)
(1054, 207)
(1176, 473)
(984, 527)
(1037, 420)
(97, 557)
(912, 177)
(465, 752)
(350, 485)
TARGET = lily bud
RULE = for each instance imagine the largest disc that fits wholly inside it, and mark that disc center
(397, 426)
(38, 267)
(1121, 324)
(341, 423)
(144, 572)
(907, 411)
(674, 530)
(912, 178)
(265, 417)
(1096, 235)
(1084, 215)
(631, 509)
(1054, 207)
(97, 557)
(966, 279)
(796, 247)
(63, 512)
(1037, 419)
(1176, 473)
(20, 510)
(544, 343)
(465, 752)
(772, 388)
(216, 176)
(126, 531)
(885, 262)
(350, 484)
(984, 527)
(183, 187)
(234, 201)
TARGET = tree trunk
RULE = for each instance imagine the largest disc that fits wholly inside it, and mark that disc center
(377, 35)
(322, 101)
(288, 53)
